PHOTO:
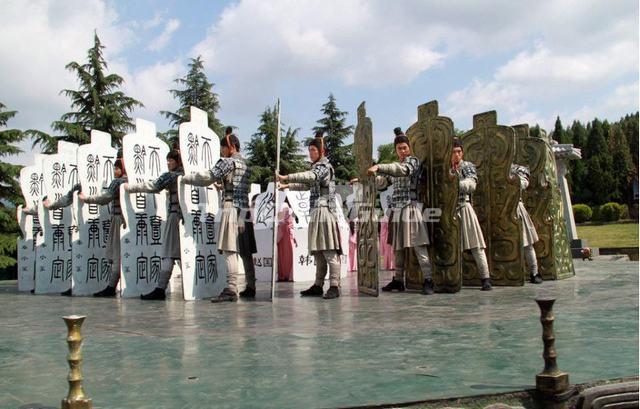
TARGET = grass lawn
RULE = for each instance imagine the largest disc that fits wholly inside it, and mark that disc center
(610, 235)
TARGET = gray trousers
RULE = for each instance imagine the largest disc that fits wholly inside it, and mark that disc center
(115, 276)
(530, 258)
(166, 269)
(324, 258)
(480, 257)
(423, 259)
(234, 264)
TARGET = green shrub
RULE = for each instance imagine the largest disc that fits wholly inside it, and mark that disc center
(582, 213)
(610, 212)
(596, 216)
(625, 212)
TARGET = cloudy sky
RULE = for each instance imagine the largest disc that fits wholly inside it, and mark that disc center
(530, 61)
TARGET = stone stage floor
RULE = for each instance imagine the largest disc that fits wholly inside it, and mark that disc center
(312, 353)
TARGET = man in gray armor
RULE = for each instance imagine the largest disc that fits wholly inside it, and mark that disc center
(236, 240)
(472, 238)
(529, 233)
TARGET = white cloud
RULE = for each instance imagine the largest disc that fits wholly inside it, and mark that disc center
(161, 41)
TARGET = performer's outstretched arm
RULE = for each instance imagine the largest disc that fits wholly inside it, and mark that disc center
(64, 200)
(108, 194)
(154, 186)
(206, 177)
(406, 168)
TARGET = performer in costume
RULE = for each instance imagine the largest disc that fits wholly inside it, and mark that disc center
(406, 227)
(472, 238)
(286, 241)
(111, 194)
(529, 233)
(236, 240)
(324, 235)
(170, 252)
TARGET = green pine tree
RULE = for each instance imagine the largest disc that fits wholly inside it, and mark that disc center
(98, 104)
(599, 165)
(197, 92)
(332, 124)
(261, 150)
(622, 166)
(559, 134)
(387, 153)
(9, 189)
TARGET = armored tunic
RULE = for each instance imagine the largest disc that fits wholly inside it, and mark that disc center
(171, 233)
(529, 233)
(406, 226)
(470, 226)
(324, 234)
(236, 229)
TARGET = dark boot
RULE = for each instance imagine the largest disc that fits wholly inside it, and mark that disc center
(156, 294)
(394, 285)
(313, 291)
(427, 287)
(248, 293)
(107, 292)
(332, 292)
(535, 279)
(486, 284)
(225, 296)
(66, 293)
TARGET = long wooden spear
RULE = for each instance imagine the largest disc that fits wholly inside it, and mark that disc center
(274, 265)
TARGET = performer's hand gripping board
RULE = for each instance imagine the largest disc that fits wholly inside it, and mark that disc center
(54, 256)
(32, 185)
(203, 271)
(145, 214)
(91, 266)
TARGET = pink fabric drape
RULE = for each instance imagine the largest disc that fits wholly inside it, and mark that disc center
(353, 246)
(286, 240)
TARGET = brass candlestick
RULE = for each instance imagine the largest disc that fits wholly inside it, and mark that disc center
(76, 399)
(551, 382)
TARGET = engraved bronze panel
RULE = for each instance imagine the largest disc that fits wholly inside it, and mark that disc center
(544, 204)
(367, 218)
(492, 148)
(431, 140)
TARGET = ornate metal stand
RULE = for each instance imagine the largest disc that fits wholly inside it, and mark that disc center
(76, 399)
(551, 383)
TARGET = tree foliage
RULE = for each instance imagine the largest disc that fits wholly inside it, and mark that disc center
(98, 103)
(9, 189)
(197, 92)
(261, 150)
(333, 125)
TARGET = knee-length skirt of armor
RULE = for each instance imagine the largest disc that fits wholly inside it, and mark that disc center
(171, 237)
(229, 236)
(113, 242)
(324, 233)
(529, 233)
(406, 228)
(470, 226)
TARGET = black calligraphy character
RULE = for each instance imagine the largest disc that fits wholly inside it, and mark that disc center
(207, 158)
(265, 209)
(34, 185)
(154, 161)
(141, 269)
(105, 270)
(155, 268)
(209, 225)
(73, 175)
(192, 146)
(94, 233)
(196, 226)
(58, 237)
(212, 268)
(268, 262)
(92, 269)
(92, 172)
(69, 270)
(57, 177)
(93, 209)
(57, 269)
(156, 226)
(142, 234)
(200, 273)
(195, 195)
(107, 171)
(138, 159)
(106, 225)
(257, 262)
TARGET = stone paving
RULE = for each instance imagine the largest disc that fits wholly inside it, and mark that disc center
(311, 353)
